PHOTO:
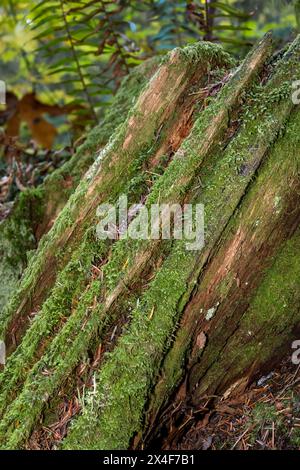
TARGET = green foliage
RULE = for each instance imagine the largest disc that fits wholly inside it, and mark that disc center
(93, 44)
(77, 51)
(276, 15)
(297, 12)
(72, 36)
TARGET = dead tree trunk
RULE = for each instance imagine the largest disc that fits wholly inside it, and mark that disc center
(118, 329)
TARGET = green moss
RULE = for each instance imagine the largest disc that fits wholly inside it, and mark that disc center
(114, 183)
(264, 414)
(67, 294)
(187, 162)
(17, 233)
(206, 51)
(274, 309)
(137, 355)
(63, 353)
(17, 237)
(281, 165)
(51, 370)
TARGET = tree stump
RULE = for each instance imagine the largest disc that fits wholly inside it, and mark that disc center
(120, 329)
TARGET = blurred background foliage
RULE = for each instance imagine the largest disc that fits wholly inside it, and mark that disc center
(62, 60)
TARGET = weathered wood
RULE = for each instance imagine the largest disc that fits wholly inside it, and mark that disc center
(160, 104)
(145, 304)
(240, 272)
(221, 108)
(35, 210)
(182, 71)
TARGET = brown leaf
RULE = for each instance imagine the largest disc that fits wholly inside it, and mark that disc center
(30, 110)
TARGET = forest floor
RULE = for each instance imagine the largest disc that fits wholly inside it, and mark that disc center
(265, 417)
(25, 167)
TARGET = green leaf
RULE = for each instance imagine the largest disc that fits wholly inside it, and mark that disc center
(47, 32)
(237, 42)
(47, 48)
(231, 10)
(226, 27)
(43, 12)
(69, 81)
(45, 20)
(67, 69)
(41, 5)
(57, 64)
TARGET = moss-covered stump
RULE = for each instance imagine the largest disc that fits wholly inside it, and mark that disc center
(117, 327)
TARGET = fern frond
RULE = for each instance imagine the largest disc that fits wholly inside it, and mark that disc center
(91, 43)
(80, 36)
